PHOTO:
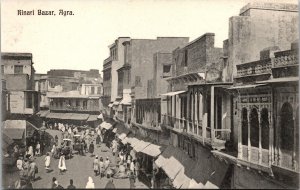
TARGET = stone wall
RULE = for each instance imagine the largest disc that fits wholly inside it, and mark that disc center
(256, 29)
(141, 60)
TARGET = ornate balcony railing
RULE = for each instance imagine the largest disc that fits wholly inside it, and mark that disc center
(254, 68)
(184, 125)
(285, 60)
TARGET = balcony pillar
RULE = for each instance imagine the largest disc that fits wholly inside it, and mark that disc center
(249, 142)
(260, 147)
(240, 147)
(271, 135)
(212, 112)
(294, 162)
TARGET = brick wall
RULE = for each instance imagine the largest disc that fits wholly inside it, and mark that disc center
(196, 56)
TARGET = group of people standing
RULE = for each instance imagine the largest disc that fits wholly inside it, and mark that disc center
(28, 170)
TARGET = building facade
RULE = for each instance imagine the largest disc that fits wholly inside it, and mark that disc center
(18, 72)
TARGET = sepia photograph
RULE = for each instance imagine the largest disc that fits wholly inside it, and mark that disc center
(149, 94)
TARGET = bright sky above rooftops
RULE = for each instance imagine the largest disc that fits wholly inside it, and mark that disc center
(81, 41)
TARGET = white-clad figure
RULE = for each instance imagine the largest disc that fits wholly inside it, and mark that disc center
(62, 164)
(90, 184)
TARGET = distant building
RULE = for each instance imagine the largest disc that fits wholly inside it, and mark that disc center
(73, 107)
(55, 81)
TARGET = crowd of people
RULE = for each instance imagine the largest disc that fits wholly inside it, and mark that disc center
(79, 142)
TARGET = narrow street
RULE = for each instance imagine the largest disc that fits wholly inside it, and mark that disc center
(79, 168)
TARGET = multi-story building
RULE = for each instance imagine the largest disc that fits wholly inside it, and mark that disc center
(114, 62)
(73, 107)
(4, 100)
(264, 96)
(196, 111)
(259, 25)
(18, 72)
(56, 81)
(20, 100)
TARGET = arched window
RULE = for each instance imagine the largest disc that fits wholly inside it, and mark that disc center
(287, 127)
(244, 127)
(264, 128)
(254, 128)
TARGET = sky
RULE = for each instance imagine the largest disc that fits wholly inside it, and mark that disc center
(80, 41)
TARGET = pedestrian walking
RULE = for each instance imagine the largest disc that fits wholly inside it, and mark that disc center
(71, 186)
(30, 151)
(56, 139)
(98, 140)
(101, 167)
(106, 163)
(132, 167)
(25, 164)
(62, 164)
(132, 180)
(38, 149)
(114, 147)
(57, 185)
(47, 161)
(32, 170)
(90, 184)
(92, 148)
(110, 184)
(96, 165)
(54, 150)
(136, 168)
(53, 183)
(128, 161)
(20, 163)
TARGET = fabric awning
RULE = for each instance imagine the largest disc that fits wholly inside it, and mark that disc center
(194, 185)
(126, 100)
(92, 118)
(122, 136)
(181, 180)
(115, 103)
(246, 86)
(67, 116)
(43, 113)
(127, 138)
(105, 125)
(6, 141)
(180, 168)
(152, 150)
(134, 142)
(100, 116)
(141, 145)
(210, 185)
(172, 167)
(173, 93)
(80, 117)
(19, 124)
(55, 115)
(14, 133)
